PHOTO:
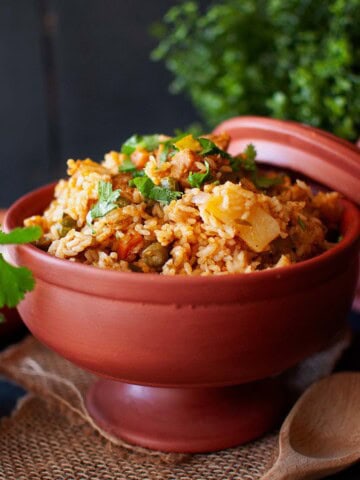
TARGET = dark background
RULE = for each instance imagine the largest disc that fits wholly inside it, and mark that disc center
(76, 80)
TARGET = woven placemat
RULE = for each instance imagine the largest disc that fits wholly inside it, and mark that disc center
(51, 437)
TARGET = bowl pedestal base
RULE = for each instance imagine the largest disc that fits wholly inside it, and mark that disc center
(188, 420)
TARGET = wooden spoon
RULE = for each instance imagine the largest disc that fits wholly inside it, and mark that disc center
(321, 434)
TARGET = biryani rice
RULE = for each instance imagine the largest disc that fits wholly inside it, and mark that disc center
(208, 230)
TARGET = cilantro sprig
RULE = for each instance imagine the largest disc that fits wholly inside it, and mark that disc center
(150, 191)
(196, 179)
(246, 161)
(20, 235)
(209, 148)
(148, 142)
(16, 281)
(106, 202)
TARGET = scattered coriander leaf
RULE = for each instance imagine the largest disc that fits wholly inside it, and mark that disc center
(14, 283)
(148, 142)
(209, 148)
(129, 146)
(164, 195)
(249, 160)
(169, 147)
(263, 182)
(246, 160)
(2, 318)
(143, 184)
(154, 192)
(106, 202)
(301, 223)
(236, 163)
(196, 179)
(137, 173)
(127, 166)
(20, 235)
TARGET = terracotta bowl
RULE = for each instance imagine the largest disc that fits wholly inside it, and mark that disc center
(185, 358)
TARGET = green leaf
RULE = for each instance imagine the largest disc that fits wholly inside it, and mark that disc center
(14, 283)
(153, 192)
(246, 160)
(266, 182)
(105, 204)
(127, 166)
(249, 160)
(209, 148)
(301, 223)
(148, 142)
(20, 235)
(169, 146)
(144, 185)
(196, 179)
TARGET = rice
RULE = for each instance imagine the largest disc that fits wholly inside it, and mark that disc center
(226, 223)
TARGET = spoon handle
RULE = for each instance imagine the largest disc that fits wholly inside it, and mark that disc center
(283, 470)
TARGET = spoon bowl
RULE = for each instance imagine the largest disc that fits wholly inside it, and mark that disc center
(321, 435)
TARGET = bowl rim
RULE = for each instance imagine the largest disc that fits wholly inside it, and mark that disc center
(350, 217)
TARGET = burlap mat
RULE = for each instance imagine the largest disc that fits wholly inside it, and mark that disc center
(51, 437)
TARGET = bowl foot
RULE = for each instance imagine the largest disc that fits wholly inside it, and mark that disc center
(188, 420)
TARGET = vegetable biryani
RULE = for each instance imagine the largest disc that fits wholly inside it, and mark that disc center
(184, 205)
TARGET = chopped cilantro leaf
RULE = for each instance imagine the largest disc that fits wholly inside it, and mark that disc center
(20, 235)
(209, 148)
(106, 202)
(14, 283)
(196, 179)
(148, 142)
(127, 166)
(249, 156)
(246, 160)
(236, 163)
(169, 147)
(154, 192)
(301, 223)
(261, 181)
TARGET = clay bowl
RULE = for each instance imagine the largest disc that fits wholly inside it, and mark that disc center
(190, 363)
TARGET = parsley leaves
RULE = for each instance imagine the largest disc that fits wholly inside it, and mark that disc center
(150, 191)
(16, 281)
(196, 179)
(106, 202)
(148, 142)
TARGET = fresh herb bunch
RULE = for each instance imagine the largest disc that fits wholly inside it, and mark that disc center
(290, 59)
(16, 281)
